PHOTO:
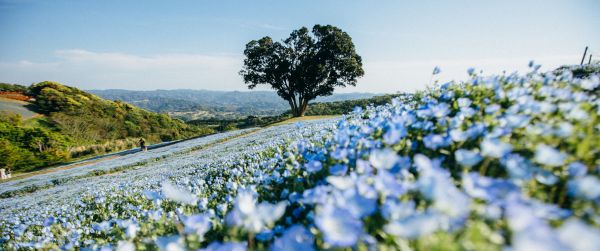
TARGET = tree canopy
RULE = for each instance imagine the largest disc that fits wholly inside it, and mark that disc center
(303, 66)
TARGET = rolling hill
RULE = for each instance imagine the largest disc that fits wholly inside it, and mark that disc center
(75, 123)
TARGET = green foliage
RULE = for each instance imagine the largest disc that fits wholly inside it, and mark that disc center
(24, 148)
(344, 107)
(4, 87)
(13, 118)
(303, 67)
(229, 124)
(54, 97)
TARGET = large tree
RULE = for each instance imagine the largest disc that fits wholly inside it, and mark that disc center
(303, 66)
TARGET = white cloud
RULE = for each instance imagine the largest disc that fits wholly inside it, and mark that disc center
(95, 70)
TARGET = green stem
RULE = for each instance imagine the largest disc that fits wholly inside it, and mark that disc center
(484, 167)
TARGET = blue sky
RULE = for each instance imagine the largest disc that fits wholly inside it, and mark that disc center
(198, 44)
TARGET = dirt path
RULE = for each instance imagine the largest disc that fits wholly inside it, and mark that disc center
(16, 106)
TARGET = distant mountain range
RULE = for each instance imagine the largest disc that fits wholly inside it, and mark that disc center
(204, 104)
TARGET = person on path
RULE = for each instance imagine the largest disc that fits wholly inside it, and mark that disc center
(143, 146)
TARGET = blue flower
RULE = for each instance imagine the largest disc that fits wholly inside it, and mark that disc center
(357, 204)
(564, 129)
(463, 102)
(495, 148)
(435, 141)
(440, 110)
(176, 194)
(587, 187)
(198, 224)
(590, 83)
(436, 70)
(225, 246)
(579, 236)
(435, 184)
(467, 158)
(470, 71)
(265, 235)
(577, 169)
(549, 156)
(387, 185)
(125, 246)
(339, 227)
(546, 177)
(414, 225)
(458, 135)
(486, 188)
(338, 169)
(172, 242)
(341, 182)
(363, 166)
(516, 121)
(529, 232)
(517, 166)
(313, 166)
(251, 216)
(394, 210)
(49, 221)
(394, 134)
(296, 238)
(385, 158)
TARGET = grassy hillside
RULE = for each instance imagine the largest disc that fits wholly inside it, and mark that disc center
(76, 124)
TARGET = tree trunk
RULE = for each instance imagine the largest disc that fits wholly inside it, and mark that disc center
(303, 106)
(299, 106)
(295, 109)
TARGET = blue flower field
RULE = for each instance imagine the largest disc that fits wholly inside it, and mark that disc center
(504, 162)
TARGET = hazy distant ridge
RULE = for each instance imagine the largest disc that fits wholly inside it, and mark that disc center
(194, 104)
